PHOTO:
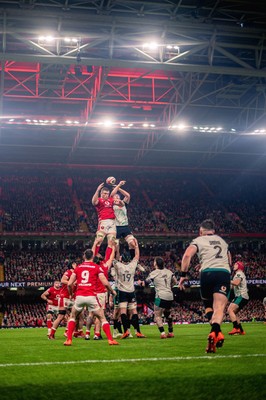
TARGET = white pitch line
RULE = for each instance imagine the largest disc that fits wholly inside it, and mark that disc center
(128, 360)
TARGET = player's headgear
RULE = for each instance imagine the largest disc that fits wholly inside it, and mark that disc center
(125, 257)
(240, 265)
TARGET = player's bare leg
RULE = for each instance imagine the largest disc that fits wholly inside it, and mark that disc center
(233, 310)
(79, 326)
(216, 337)
(105, 325)
(49, 323)
(56, 323)
(158, 313)
(89, 323)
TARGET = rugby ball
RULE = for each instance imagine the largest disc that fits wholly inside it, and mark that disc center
(111, 180)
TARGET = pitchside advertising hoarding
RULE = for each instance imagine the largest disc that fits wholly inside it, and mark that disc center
(28, 284)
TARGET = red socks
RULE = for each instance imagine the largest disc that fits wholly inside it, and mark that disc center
(108, 253)
(107, 330)
(71, 327)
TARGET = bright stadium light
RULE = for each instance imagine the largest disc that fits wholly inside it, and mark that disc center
(108, 123)
(151, 46)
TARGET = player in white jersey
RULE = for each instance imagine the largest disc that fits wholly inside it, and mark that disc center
(125, 272)
(241, 298)
(264, 305)
(163, 280)
(114, 304)
(121, 220)
(215, 261)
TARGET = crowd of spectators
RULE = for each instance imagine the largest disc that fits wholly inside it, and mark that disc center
(31, 204)
(162, 203)
(189, 312)
(49, 265)
(26, 265)
(24, 315)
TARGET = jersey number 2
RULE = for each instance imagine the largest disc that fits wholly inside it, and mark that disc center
(218, 254)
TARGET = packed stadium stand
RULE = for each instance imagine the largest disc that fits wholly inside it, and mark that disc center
(47, 220)
(160, 203)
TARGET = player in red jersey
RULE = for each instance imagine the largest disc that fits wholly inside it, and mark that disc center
(52, 296)
(65, 302)
(103, 202)
(86, 275)
(102, 293)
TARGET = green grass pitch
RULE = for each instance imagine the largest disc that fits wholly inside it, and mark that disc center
(32, 367)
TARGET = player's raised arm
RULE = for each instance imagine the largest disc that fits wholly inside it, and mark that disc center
(95, 197)
(126, 195)
(116, 188)
(136, 257)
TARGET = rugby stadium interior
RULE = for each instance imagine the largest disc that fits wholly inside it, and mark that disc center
(169, 96)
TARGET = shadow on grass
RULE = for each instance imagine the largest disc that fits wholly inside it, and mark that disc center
(244, 388)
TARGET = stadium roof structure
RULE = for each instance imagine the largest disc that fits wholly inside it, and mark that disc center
(150, 67)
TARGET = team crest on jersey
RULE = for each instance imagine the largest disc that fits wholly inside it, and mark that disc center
(223, 288)
(107, 203)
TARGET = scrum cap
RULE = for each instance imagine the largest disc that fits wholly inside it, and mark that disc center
(240, 265)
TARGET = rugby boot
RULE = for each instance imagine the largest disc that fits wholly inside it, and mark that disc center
(220, 340)
(211, 348)
(234, 331)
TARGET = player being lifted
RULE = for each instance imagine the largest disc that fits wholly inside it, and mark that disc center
(121, 220)
(103, 201)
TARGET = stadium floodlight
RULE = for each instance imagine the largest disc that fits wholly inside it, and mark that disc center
(126, 126)
(107, 123)
(150, 46)
(181, 126)
(173, 47)
(47, 39)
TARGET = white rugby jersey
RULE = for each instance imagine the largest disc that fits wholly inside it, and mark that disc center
(241, 289)
(212, 252)
(121, 218)
(162, 279)
(125, 275)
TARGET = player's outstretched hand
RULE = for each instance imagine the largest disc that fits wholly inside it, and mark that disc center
(100, 186)
(181, 283)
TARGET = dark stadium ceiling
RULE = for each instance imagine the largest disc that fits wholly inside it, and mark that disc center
(68, 66)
